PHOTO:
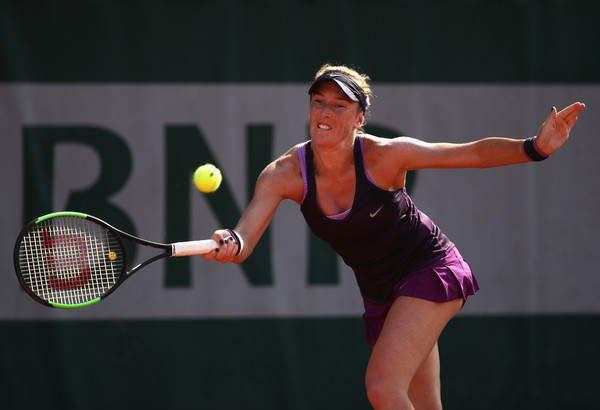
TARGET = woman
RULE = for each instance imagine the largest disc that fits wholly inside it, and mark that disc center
(350, 188)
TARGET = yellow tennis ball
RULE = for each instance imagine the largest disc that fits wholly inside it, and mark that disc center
(207, 178)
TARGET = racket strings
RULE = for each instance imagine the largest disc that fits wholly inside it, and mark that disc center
(69, 260)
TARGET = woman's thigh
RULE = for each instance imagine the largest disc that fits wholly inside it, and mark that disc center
(410, 332)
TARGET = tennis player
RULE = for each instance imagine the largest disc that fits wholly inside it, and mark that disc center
(350, 189)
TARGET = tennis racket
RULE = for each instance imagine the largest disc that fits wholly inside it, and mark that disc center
(71, 260)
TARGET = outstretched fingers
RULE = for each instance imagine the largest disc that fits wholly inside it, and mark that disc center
(556, 129)
(569, 114)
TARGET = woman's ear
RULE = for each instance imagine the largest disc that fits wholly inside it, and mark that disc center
(360, 120)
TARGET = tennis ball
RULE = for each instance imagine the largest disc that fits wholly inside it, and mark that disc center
(207, 178)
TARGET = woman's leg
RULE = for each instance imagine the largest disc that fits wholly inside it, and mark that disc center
(406, 343)
(425, 391)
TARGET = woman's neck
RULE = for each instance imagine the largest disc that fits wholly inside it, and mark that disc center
(335, 160)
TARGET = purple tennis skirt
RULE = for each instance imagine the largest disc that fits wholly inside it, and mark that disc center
(449, 278)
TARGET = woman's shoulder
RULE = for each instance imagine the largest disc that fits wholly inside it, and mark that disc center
(374, 147)
(285, 174)
(375, 142)
(385, 160)
(377, 148)
(289, 161)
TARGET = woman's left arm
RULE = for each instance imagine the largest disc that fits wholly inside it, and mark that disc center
(488, 152)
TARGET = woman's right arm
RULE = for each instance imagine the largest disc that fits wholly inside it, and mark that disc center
(281, 179)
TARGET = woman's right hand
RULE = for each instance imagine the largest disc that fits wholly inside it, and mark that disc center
(227, 247)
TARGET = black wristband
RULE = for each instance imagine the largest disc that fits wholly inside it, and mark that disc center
(530, 149)
(237, 240)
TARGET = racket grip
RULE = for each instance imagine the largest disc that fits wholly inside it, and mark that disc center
(193, 247)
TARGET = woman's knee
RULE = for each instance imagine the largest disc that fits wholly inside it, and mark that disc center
(385, 392)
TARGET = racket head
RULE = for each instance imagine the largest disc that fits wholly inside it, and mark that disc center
(69, 259)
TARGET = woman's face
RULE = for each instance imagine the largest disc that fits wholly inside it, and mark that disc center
(333, 116)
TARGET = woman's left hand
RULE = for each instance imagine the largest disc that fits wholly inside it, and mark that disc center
(554, 132)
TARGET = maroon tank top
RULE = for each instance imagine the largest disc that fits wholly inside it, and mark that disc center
(383, 237)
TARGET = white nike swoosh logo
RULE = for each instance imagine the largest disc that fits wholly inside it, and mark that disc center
(372, 214)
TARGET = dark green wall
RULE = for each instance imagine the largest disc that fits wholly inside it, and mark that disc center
(535, 362)
(283, 41)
